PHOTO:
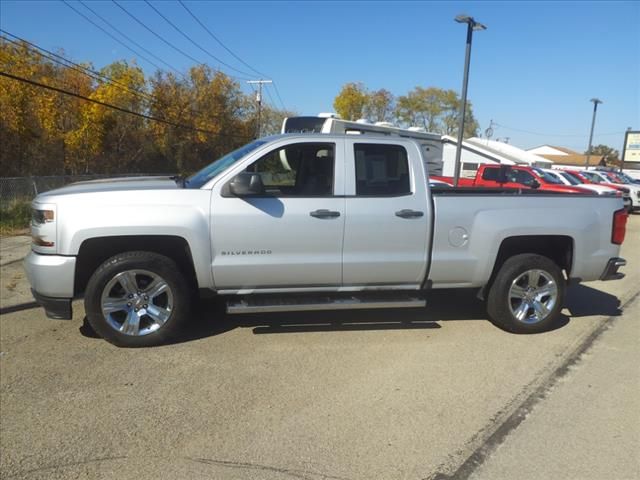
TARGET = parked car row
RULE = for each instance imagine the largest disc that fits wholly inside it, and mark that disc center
(600, 182)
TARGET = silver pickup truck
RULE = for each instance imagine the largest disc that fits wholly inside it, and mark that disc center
(311, 222)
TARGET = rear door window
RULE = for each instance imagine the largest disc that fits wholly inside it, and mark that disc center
(381, 170)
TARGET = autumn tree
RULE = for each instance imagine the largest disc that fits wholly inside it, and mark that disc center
(352, 101)
(170, 123)
(108, 140)
(34, 122)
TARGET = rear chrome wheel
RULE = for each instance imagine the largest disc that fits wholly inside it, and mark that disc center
(527, 294)
(533, 296)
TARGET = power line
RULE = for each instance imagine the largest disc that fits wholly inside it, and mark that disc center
(96, 75)
(555, 134)
(219, 41)
(161, 38)
(275, 86)
(212, 35)
(273, 104)
(116, 38)
(76, 67)
(193, 41)
(109, 105)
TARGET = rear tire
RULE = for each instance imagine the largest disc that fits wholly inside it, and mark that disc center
(527, 294)
(137, 299)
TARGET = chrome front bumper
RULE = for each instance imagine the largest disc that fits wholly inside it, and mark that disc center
(611, 271)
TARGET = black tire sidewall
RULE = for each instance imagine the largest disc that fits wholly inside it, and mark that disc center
(498, 299)
(153, 262)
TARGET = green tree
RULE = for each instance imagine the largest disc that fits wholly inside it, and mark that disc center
(421, 107)
(436, 110)
(352, 101)
(272, 119)
(611, 154)
(380, 106)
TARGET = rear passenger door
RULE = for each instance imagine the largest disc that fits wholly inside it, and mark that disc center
(387, 226)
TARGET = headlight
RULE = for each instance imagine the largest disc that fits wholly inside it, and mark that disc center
(40, 217)
(43, 227)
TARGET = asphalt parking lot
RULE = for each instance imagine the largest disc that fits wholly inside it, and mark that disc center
(428, 394)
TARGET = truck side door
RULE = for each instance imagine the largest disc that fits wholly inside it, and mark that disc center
(388, 224)
(291, 235)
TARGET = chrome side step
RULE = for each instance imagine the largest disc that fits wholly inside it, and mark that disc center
(266, 304)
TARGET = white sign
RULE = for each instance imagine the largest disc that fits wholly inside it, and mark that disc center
(631, 152)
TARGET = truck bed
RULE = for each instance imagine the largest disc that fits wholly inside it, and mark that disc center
(468, 233)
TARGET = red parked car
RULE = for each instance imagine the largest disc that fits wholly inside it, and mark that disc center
(515, 176)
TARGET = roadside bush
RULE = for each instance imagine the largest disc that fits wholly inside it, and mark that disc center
(14, 217)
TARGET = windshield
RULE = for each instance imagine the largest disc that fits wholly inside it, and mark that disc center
(548, 177)
(614, 178)
(627, 177)
(570, 178)
(594, 177)
(198, 179)
(622, 177)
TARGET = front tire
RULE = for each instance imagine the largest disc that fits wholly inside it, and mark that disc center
(137, 299)
(527, 294)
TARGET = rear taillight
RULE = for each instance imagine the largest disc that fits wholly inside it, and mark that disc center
(619, 226)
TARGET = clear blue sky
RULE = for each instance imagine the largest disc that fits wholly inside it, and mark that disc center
(534, 69)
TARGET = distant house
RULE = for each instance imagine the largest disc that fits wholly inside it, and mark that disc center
(476, 151)
(565, 157)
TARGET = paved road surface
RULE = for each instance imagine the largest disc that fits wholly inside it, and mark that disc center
(366, 395)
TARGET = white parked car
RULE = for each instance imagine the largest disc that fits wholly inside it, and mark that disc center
(570, 180)
(605, 177)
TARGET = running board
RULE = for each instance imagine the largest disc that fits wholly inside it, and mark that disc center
(267, 304)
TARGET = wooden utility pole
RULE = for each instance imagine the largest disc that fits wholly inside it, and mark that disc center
(259, 101)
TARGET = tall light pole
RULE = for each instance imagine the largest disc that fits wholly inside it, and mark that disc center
(595, 101)
(259, 101)
(471, 26)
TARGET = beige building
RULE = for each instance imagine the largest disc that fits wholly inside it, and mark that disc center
(565, 157)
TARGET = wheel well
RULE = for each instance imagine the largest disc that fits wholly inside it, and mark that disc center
(95, 251)
(558, 248)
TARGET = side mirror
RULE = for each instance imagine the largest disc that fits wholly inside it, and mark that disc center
(245, 184)
(534, 184)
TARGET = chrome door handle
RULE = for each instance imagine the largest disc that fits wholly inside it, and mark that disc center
(406, 213)
(324, 214)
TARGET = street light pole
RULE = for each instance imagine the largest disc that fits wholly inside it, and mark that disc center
(471, 26)
(595, 101)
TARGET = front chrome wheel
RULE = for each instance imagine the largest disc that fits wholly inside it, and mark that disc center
(137, 302)
(533, 296)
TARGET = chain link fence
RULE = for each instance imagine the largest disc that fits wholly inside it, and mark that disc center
(14, 190)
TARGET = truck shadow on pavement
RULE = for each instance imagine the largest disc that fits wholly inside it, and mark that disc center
(584, 301)
(210, 318)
